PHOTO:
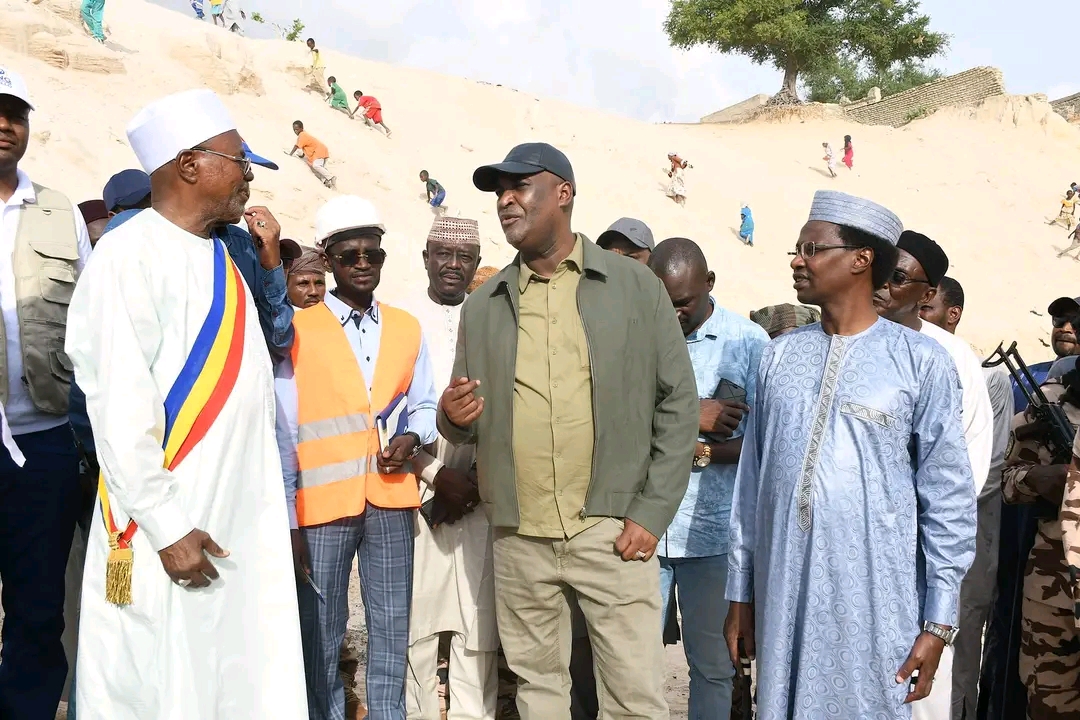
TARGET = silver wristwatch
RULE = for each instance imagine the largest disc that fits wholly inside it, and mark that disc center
(947, 634)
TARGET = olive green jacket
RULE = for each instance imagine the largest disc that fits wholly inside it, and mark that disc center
(645, 400)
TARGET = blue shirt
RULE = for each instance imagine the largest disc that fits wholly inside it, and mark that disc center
(267, 288)
(119, 219)
(1039, 371)
(726, 347)
(364, 339)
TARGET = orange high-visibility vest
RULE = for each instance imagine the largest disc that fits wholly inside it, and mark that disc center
(337, 443)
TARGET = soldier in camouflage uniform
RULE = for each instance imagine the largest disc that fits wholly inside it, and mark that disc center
(1050, 641)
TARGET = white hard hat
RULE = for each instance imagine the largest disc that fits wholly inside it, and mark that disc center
(11, 83)
(345, 212)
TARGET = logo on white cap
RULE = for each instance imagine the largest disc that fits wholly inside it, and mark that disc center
(12, 84)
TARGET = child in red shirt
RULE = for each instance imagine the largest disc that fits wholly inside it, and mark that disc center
(372, 110)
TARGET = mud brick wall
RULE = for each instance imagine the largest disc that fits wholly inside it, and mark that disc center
(966, 88)
(1068, 107)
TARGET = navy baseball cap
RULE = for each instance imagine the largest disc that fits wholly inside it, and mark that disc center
(259, 159)
(1064, 306)
(525, 159)
(126, 189)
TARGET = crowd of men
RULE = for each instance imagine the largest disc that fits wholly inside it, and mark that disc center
(547, 465)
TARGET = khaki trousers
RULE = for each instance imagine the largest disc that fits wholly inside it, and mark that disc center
(473, 686)
(534, 578)
(319, 168)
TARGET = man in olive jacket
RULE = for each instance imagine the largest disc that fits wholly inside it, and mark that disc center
(573, 379)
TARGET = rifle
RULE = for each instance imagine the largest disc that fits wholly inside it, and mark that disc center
(1051, 425)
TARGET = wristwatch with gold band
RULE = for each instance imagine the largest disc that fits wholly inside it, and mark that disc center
(705, 458)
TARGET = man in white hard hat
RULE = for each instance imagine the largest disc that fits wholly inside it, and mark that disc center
(43, 246)
(188, 604)
(355, 404)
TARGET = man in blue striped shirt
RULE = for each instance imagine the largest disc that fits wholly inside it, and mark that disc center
(725, 349)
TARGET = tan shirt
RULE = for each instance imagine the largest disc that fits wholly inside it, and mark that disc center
(553, 413)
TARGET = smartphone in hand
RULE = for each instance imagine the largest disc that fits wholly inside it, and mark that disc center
(729, 392)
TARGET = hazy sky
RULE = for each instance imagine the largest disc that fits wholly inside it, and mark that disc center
(614, 55)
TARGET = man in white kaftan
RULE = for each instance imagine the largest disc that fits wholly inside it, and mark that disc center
(853, 521)
(213, 639)
(920, 267)
(453, 572)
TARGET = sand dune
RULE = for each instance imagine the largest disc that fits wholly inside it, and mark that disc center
(982, 181)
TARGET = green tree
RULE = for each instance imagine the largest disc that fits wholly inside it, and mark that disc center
(849, 78)
(293, 33)
(257, 17)
(799, 36)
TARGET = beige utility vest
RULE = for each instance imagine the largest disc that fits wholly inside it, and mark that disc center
(44, 261)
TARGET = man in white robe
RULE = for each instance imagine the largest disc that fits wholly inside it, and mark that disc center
(453, 574)
(977, 594)
(211, 630)
(919, 269)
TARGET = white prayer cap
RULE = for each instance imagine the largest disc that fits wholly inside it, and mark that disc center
(11, 83)
(174, 123)
(843, 209)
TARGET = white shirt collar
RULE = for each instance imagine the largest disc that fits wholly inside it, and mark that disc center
(344, 312)
(24, 191)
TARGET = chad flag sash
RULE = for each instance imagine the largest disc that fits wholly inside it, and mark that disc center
(192, 405)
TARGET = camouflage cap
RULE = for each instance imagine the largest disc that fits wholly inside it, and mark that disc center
(777, 319)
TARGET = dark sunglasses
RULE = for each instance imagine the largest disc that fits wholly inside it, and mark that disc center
(1074, 320)
(899, 279)
(351, 258)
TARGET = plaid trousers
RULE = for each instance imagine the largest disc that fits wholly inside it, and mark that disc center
(382, 541)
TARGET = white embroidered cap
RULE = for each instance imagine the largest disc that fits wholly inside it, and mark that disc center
(11, 83)
(843, 209)
(178, 122)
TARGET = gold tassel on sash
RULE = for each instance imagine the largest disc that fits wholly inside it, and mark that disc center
(118, 572)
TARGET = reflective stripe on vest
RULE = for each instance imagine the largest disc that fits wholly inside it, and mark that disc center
(337, 443)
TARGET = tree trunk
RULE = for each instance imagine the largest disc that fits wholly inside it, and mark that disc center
(788, 94)
(791, 78)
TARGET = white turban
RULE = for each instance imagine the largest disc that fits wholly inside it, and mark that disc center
(174, 123)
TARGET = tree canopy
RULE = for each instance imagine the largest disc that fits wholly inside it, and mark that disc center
(799, 36)
(851, 79)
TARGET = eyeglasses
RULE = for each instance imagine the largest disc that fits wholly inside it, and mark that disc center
(243, 160)
(1060, 322)
(808, 249)
(899, 279)
(351, 258)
